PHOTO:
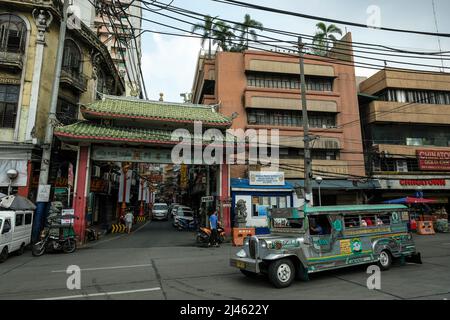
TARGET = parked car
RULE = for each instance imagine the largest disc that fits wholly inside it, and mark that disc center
(183, 213)
(160, 211)
(173, 211)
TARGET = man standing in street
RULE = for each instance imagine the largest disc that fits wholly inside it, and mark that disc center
(129, 217)
(213, 225)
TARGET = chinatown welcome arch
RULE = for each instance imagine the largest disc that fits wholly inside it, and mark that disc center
(143, 127)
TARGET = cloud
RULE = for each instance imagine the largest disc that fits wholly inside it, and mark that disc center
(168, 64)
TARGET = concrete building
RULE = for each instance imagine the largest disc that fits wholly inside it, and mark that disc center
(263, 88)
(29, 34)
(120, 36)
(406, 126)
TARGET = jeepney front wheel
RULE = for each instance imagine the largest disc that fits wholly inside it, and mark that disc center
(385, 260)
(282, 273)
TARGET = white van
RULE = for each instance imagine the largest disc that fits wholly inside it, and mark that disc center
(15, 232)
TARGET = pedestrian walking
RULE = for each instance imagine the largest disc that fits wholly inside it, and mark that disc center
(213, 225)
(129, 217)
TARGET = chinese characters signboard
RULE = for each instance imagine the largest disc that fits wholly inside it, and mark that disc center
(433, 160)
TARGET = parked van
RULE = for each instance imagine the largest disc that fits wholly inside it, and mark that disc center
(15, 232)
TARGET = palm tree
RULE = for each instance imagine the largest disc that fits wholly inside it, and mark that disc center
(208, 29)
(248, 29)
(223, 35)
(325, 35)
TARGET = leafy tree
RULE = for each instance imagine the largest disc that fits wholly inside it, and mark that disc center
(208, 29)
(248, 30)
(323, 37)
(223, 35)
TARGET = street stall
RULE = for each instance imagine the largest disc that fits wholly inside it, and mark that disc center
(427, 218)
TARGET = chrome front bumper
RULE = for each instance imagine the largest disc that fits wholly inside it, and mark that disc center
(247, 264)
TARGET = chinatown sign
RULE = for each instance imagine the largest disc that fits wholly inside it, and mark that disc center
(422, 183)
(434, 160)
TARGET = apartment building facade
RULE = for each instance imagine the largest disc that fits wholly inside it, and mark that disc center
(29, 35)
(263, 89)
(121, 36)
(406, 126)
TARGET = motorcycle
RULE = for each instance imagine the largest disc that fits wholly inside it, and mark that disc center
(56, 237)
(204, 235)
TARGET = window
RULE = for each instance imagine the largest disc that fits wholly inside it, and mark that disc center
(352, 221)
(19, 220)
(72, 58)
(9, 98)
(402, 166)
(415, 96)
(319, 221)
(66, 112)
(286, 81)
(6, 226)
(384, 219)
(28, 218)
(261, 205)
(368, 220)
(290, 118)
(12, 33)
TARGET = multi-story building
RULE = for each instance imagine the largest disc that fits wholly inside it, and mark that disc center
(29, 35)
(263, 88)
(121, 36)
(406, 127)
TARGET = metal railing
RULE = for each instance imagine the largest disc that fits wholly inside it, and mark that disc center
(74, 79)
(11, 59)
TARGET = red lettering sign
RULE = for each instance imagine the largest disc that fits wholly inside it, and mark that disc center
(434, 160)
(417, 183)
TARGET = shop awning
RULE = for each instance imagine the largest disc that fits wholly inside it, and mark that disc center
(341, 184)
(410, 200)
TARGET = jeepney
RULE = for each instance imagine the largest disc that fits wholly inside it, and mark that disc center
(316, 239)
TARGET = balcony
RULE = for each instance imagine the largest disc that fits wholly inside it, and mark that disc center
(382, 111)
(13, 60)
(75, 80)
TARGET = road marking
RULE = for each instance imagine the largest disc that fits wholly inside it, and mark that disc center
(101, 294)
(108, 268)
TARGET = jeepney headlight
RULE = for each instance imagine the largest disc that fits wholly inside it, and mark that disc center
(241, 254)
(263, 244)
(246, 241)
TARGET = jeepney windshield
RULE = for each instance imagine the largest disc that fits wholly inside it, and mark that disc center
(287, 224)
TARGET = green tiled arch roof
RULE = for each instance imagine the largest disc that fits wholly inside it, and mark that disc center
(88, 131)
(154, 111)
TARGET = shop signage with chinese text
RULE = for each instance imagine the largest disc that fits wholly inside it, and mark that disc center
(421, 183)
(434, 160)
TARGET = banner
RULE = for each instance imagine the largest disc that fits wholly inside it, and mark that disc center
(434, 160)
(128, 186)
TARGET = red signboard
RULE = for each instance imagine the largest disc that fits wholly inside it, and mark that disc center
(417, 183)
(434, 160)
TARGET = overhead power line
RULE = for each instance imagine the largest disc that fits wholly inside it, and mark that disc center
(317, 18)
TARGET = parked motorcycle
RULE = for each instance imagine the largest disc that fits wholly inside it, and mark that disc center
(56, 236)
(204, 235)
(62, 240)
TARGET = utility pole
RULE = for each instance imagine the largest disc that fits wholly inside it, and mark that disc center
(47, 147)
(307, 138)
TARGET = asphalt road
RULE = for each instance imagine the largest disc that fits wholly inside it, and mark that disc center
(157, 262)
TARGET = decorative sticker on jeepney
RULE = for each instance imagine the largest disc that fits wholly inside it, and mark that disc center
(356, 245)
(346, 248)
(367, 231)
(395, 217)
(337, 225)
(280, 244)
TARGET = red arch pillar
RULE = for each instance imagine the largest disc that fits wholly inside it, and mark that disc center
(81, 191)
(225, 196)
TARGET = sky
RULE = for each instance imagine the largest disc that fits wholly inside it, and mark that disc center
(169, 62)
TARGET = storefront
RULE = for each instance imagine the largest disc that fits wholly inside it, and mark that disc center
(436, 188)
(332, 192)
(258, 198)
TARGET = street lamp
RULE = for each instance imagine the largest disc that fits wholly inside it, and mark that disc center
(12, 174)
(319, 181)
